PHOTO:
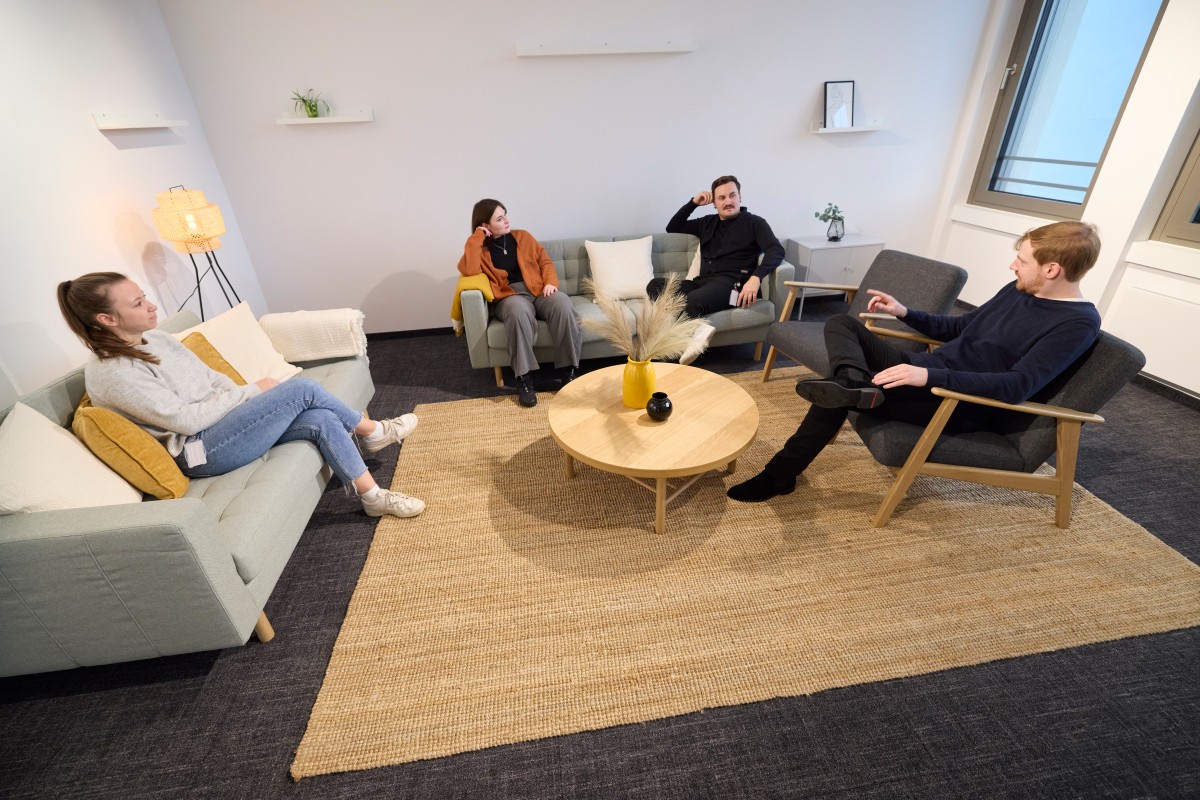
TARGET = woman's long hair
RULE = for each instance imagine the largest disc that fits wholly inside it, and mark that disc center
(84, 299)
(481, 214)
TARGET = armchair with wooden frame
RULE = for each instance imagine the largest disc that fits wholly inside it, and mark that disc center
(919, 282)
(1008, 454)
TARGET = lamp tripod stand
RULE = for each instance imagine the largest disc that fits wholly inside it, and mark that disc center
(214, 267)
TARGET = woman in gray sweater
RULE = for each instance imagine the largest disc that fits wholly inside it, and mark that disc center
(209, 424)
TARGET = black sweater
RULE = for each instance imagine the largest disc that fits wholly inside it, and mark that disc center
(730, 245)
(1009, 347)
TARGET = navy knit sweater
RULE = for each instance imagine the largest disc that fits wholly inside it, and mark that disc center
(730, 245)
(1009, 347)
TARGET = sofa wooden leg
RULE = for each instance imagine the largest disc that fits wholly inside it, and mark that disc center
(499, 377)
(758, 351)
(263, 628)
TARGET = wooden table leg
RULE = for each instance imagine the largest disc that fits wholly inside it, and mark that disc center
(660, 505)
(570, 466)
(731, 467)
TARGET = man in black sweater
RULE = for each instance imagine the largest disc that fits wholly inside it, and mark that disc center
(730, 243)
(1008, 349)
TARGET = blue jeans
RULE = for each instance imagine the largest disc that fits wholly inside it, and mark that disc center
(297, 409)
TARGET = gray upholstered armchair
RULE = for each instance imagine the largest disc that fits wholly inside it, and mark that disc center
(917, 282)
(1009, 454)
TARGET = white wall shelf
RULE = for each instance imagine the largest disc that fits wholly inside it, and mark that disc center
(602, 49)
(365, 115)
(872, 125)
(119, 122)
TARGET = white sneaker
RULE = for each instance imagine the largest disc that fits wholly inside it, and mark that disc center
(394, 503)
(394, 431)
(699, 343)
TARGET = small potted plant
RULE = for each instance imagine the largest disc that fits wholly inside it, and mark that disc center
(837, 223)
(311, 102)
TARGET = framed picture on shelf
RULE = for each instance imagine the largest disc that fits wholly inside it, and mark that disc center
(839, 104)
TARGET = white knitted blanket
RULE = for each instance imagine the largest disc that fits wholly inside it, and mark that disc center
(314, 335)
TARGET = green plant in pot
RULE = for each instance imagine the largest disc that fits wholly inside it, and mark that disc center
(311, 102)
(837, 224)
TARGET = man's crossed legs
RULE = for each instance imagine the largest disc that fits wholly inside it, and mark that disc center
(855, 355)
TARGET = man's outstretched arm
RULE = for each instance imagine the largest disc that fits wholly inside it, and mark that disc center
(942, 328)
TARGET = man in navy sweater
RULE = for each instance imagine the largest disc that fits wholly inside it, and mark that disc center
(1008, 349)
(730, 243)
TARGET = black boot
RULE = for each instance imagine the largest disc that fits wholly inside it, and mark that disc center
(762, 486)
(839, 392)
(568, 375)
(526, 396)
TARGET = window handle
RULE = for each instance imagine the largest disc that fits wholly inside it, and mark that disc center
(1008, 73)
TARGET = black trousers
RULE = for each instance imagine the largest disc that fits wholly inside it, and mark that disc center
(850, 344)
(705, 294)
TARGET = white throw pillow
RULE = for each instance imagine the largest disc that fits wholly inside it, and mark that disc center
(242, 342)
(694, 267)
(621, 270)
(43, 467)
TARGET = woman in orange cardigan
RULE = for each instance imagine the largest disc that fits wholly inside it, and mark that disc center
(525, 286)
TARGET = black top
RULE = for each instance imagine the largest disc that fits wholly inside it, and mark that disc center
(730, 245)
(1008, 348)
(505, 261)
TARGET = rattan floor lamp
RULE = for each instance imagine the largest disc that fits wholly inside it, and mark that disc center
(194, 225)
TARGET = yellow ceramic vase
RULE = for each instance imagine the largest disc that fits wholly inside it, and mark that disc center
(638, 383)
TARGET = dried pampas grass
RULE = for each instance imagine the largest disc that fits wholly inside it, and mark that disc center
(645, 329)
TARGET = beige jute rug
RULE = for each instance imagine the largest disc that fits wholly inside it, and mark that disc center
(522, 605)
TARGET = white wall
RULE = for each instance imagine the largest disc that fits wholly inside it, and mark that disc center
(375, 215)
(77, 200)
(1147, 292)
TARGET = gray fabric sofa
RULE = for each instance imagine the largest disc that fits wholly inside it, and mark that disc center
(670, 252)
(118, 583)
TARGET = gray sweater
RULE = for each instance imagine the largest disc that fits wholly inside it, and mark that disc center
(171, 400)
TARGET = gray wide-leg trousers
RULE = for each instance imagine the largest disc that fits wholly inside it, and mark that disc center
(520, 314)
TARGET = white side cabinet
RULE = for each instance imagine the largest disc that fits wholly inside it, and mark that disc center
(819, 260)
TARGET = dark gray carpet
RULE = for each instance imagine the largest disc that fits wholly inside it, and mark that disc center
(1112, 720)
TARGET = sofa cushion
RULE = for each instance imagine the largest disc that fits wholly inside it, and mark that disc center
(583, 306)
(348, 379)
(129, 451)
(621, 270)
(43, 467)
(238, 337)
(250, 502)
(761, 312)
(199, 344)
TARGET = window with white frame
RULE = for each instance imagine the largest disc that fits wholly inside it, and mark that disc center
(1068, 76)
(1180, 220)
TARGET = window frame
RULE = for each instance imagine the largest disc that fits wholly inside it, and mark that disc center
(1174, 224)
(1008, 97)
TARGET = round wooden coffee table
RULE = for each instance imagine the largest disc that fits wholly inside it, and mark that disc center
(713, 422)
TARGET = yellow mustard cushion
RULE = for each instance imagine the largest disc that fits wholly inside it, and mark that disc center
(131, 452)
(198, 344)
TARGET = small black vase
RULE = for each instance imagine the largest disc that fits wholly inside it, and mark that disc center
(837, 229)
(659, 407)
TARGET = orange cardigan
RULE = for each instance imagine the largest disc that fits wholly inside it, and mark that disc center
(537, 268)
